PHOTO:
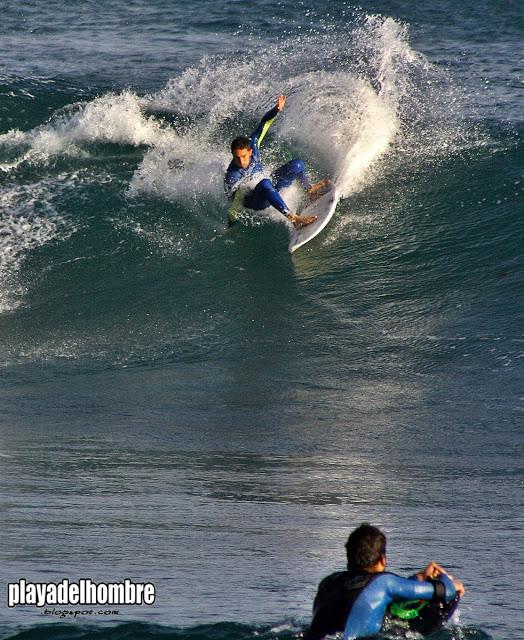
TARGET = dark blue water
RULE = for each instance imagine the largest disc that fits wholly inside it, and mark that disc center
(193, 407)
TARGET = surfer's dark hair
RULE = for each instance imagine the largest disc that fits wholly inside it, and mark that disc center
(365, 546)
(241, 142)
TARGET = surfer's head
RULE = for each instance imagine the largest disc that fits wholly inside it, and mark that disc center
(242, 152)
(366, 549)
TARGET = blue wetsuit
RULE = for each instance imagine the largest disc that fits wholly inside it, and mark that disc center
(356, 603)
(249, 188)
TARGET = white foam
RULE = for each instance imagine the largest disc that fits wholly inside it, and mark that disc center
(187, 168)
(112, 118)
(29, 220)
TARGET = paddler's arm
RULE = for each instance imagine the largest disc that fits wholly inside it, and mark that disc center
(367, 612)
(258, 135)
(435, 571)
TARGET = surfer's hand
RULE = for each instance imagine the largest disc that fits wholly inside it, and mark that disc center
(459, 587)
(433, 570)
(281, 102)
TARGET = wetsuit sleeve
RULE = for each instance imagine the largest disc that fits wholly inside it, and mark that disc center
(231, 183)
(258, 134)
(450, 591)
(414, 589)
(368, 611)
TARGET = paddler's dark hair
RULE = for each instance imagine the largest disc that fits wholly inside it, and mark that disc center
(365, 546)
(241, 142)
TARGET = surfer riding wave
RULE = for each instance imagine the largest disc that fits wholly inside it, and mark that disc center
(247, 185)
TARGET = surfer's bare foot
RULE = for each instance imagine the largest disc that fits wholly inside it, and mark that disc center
(319, 189)
(300, 221)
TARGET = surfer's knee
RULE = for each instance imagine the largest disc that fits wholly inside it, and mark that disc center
(297, 170)
(266, 185)
(291, 169)
(297, 166)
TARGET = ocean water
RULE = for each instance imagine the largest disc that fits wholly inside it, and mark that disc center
(193, 407)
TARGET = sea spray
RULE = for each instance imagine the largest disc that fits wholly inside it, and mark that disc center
(29, 220)
(352, 91)
(353, 97)
(112, 118)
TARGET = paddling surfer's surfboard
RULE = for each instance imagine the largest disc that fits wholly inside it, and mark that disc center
(323, 208)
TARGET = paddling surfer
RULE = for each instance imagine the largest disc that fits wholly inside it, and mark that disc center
(355, 602)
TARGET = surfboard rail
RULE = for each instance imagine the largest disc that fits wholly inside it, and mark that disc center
(324, 208)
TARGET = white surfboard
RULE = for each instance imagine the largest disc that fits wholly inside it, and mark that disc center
(323, 208)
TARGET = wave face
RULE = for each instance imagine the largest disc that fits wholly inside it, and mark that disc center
(138, 178)
(187, 403)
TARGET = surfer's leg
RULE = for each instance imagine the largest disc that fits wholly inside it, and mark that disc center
(276, 200)
(263, 195)
(293, 170)
(285, 175)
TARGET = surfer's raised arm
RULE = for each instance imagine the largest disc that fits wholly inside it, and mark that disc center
(267, 120)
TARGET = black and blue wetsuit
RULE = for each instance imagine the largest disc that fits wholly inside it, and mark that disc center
(356, 603)
(251, 187)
